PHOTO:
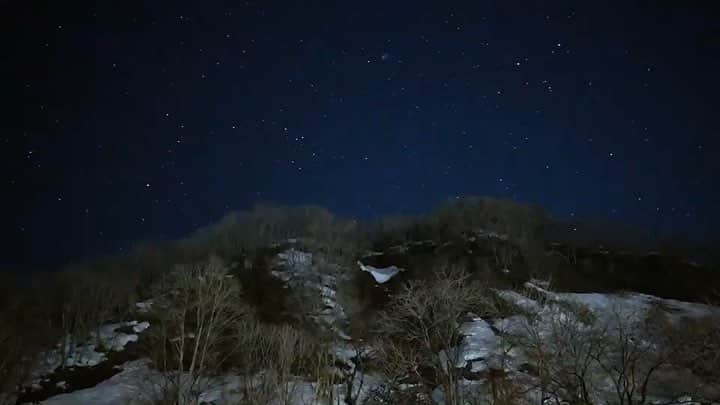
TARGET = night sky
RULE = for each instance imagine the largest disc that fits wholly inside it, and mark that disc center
(132, 120)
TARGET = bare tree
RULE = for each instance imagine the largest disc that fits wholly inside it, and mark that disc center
(422, 322)
(195, 315)
(563, 347)
(636, 348)
(697, 343)
(78, 313)
(573, 353)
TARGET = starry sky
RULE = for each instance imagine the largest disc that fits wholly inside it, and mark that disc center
(137, 120)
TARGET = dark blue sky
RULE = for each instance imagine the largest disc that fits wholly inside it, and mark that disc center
(146, 119)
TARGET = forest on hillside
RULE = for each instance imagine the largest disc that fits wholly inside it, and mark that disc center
(275, 287)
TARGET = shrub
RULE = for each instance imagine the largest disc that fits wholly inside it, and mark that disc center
(698, 343)
(271, 357)
(423, 320)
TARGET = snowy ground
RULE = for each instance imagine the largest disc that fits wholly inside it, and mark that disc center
(608, 310)
(138, 384)
(91, 352)
(134, 385)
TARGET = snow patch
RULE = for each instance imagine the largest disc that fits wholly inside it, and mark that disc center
(133, 385)
(478, 344)
(520, 300)
(479, 340)
(144, 306)
(91, 352)
(140, 327)
(513, 325)
(381, 275)
(295, 260)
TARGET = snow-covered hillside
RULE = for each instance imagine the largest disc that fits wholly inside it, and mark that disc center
(488, 347)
